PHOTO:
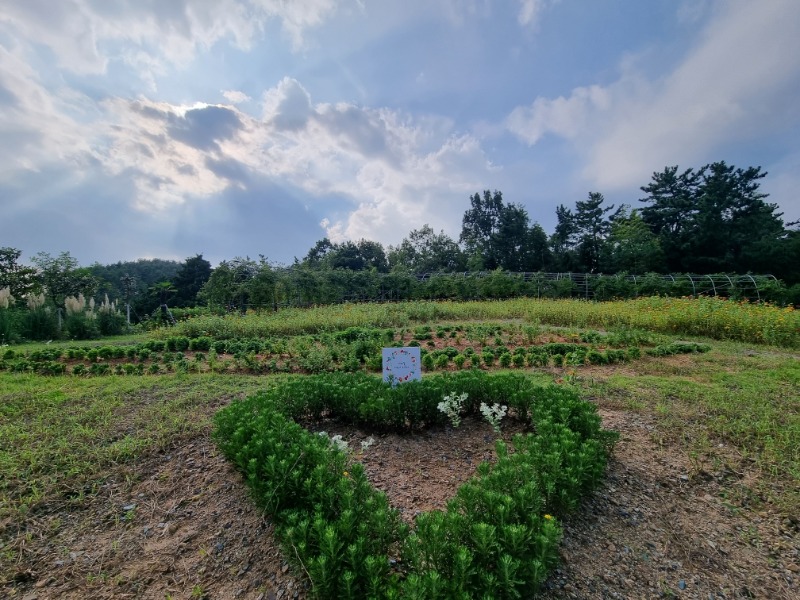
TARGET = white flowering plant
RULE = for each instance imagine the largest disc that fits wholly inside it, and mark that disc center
(452, 406)
(494, 414)
(336, 441)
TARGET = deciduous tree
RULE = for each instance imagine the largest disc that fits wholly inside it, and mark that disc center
(61, 276)
(21, 280)
(425, 251)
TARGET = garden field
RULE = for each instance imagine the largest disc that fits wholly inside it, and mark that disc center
(567, 449)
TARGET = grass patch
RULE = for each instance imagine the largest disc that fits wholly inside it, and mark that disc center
(710, 317)
(747, 401)
(58, 437)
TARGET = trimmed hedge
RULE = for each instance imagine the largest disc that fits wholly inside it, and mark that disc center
(498, 536)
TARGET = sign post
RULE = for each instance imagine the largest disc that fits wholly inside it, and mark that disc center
(401, 365)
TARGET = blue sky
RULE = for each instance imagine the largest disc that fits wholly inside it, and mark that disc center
(166, 128)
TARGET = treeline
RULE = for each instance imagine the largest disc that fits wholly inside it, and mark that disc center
(272, 289)
(711, 220)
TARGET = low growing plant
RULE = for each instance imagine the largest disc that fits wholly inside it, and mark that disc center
(498, 536)
(452, 406)
(493, 414)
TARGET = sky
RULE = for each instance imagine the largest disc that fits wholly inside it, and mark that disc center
(169, 128)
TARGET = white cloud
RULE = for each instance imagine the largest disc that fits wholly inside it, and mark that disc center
(297, 16)
(530, 11)
(167, 150)
(39, 126)
(84, 36)
(395, 172)
(235, 96)
(562, 116)
(739, 80)
(288, 105)
(692, 11)
(398, 171)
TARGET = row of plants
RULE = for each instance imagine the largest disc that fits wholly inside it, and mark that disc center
(36, 318)
(710, 317)
(314, 354)
(498, 536)
(304, 287)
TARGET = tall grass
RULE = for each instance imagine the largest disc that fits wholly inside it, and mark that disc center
(710, 317)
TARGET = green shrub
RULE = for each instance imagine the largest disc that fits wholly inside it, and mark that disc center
(50, 368)
(202, 344)
(100, 369)
(156, 345)
(497, 538)
(76, 353)
(106, 352)
(596, 358)
(39, 324)
(327, 514)
(81, 326)
(111, 322)
(423, 332)
(441, 361)
(79, 369)
(678, 348)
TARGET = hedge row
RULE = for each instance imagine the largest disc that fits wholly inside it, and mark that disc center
(496, 539)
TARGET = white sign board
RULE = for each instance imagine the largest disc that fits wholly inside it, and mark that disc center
(401, 365)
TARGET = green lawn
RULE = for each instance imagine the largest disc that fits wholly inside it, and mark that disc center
(736, 407)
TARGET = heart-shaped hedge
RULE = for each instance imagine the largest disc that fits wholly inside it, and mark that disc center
(497, 537)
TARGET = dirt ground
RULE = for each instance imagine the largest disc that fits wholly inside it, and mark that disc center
(180, 525)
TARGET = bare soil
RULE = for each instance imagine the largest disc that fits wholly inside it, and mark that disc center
(181, 525)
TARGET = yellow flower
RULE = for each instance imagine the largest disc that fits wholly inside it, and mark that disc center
(346, 474)
(548, 517)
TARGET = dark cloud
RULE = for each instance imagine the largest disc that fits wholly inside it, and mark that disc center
(263, 218)
(150, 111)
(228, 168)
(93, 220)
(96, 220)
(203, 128)
(359, 129)
(186, 169)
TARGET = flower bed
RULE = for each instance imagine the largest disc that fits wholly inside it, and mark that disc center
(497, 537)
